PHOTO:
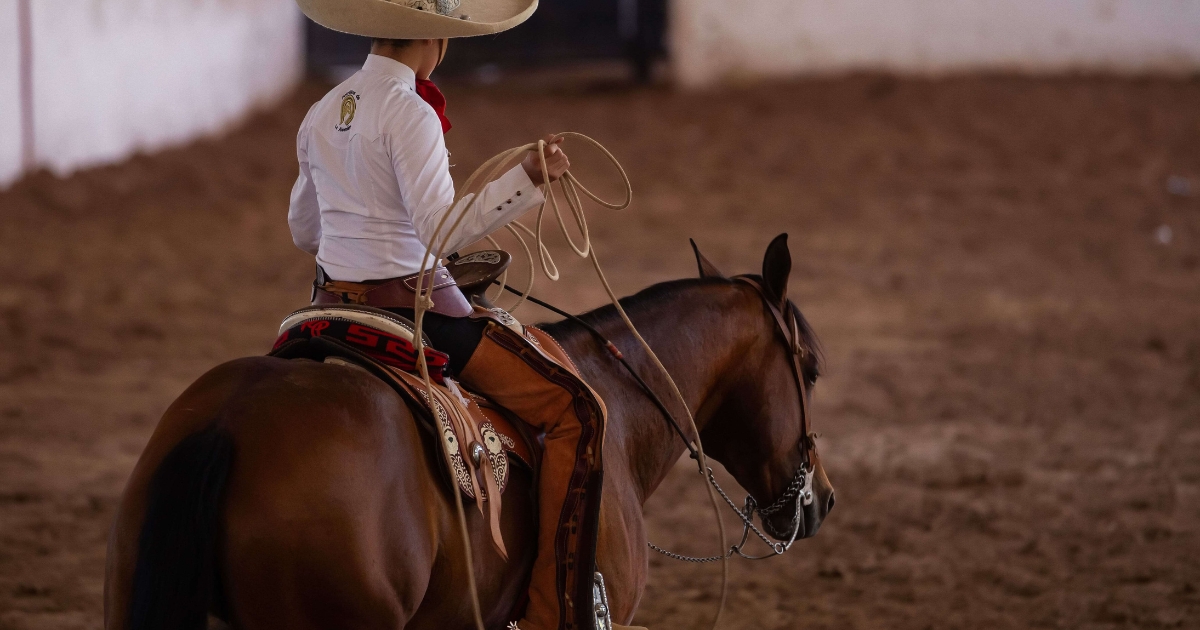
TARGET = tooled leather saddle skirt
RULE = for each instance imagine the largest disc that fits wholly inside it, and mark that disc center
(477, 442)
(476, 436)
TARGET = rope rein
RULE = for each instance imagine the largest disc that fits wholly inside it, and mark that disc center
(571, 189)
(798, 490)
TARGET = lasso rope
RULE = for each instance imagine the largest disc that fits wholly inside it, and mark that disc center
(571, 187)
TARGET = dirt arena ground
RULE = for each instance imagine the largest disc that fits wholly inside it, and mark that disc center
(1005, 274)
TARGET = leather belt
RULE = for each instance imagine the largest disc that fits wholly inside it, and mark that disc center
(395, 293)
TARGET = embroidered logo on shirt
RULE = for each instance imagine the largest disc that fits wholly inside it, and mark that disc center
(349, 104)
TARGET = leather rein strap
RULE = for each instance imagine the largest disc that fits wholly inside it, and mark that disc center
(794, 491)
(787, 326)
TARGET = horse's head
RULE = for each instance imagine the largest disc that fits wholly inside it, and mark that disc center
(762, 429)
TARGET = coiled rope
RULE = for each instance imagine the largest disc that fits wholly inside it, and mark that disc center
(571, 187)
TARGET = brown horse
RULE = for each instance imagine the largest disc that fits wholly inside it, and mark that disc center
(295, 494)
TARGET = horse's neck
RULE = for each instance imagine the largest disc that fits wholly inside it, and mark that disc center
(698, 346)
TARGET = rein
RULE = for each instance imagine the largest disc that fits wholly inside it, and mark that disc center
(799, 489)
(571, 189)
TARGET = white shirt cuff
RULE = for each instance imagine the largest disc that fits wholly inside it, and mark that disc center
(522, 191)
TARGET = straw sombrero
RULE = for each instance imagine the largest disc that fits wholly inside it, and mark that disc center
(418, 19)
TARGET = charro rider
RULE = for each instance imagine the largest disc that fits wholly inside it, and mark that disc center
(374, 184)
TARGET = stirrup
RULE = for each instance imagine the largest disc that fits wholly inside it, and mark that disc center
(603, 614)
(600, 597)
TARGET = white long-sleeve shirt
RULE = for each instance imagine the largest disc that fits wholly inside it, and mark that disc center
(375, 179)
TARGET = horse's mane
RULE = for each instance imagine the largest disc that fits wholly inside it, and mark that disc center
(648, 299)
(656, 295)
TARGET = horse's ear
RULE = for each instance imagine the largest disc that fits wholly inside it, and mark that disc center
(777, 265)
(707, 269)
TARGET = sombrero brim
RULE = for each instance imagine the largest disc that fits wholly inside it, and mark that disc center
(380, 18)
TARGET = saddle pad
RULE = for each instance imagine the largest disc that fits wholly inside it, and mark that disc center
(369, 315)
(383, 336)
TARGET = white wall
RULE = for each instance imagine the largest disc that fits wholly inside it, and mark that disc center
(113, 77)
(714, 40)
(10, 98)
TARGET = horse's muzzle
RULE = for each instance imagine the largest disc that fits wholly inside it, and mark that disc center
(779, 526)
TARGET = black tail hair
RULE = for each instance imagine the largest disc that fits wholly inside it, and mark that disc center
(175, 578)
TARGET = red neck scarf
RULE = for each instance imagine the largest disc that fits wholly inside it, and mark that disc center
(432, 95)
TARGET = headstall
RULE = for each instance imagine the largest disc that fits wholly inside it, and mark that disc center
(799, 491)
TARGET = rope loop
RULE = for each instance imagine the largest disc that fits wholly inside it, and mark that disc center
(571, 189)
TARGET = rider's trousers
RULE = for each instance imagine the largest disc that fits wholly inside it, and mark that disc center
(516, 373)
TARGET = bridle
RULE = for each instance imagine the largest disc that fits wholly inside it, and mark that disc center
(799, 489)
(789, 326)
(573, 191)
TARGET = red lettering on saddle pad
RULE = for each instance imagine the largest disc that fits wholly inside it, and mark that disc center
(403, 350)
(362, 335)
(381, 346)
(315, 327)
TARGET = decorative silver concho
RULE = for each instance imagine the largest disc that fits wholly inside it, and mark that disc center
(493, 441)
(496, 442)
(462, 475)
(487, 256)
(504, 317)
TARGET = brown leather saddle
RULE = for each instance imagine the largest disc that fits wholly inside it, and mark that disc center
(477, 441)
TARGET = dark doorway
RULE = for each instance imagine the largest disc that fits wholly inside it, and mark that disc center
(561, 31)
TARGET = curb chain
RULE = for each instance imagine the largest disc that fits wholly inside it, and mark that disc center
(790, 495)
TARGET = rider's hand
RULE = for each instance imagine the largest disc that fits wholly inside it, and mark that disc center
(556, 162)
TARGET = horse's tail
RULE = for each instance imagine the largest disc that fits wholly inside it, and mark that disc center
(175, 577)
